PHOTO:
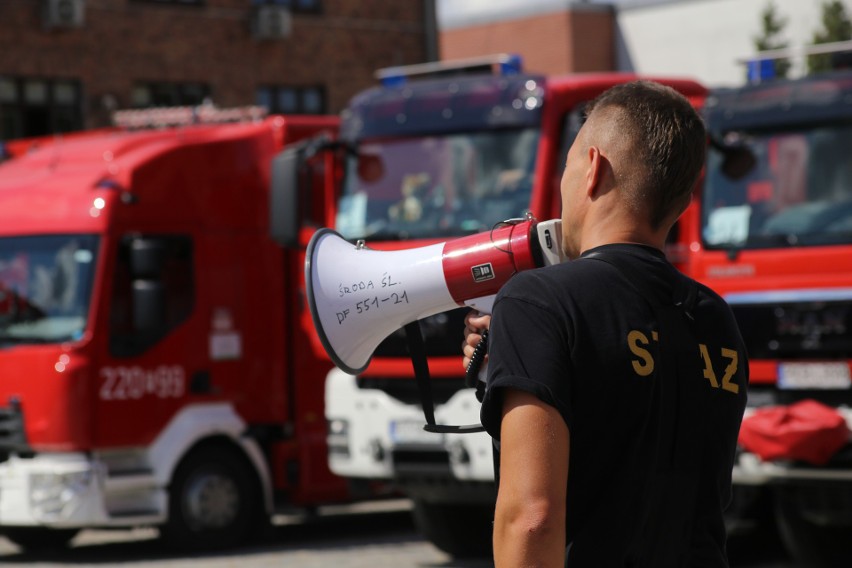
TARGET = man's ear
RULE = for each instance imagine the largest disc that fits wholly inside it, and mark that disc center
(594, 173)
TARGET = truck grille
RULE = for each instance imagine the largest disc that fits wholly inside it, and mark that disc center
(12, 436)
(797, 330)
(823, 502)
(421, 461)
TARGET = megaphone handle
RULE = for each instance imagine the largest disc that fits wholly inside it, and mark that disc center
(471, 375)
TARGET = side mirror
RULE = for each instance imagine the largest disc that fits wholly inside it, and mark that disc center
(370, 168)
(737, 158)
(290, 174)
(149, 306)
(146, 258)
(284, 195)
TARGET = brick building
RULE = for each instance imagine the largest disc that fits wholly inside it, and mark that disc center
(65, 64)
(553, 38)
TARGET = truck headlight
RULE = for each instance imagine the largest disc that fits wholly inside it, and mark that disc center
(338, 437)
(55, 496)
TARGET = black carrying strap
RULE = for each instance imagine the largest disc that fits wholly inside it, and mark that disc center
(417, 350)
(669, 523)
(677, 340)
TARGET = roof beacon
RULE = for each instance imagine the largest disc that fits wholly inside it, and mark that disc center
(499, 64)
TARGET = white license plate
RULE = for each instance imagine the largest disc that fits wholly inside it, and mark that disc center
(412, 432)
(814, 376)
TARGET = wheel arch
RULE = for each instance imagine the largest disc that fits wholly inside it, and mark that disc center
(199, 426)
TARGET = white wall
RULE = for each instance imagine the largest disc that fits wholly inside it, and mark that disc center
(705, 39)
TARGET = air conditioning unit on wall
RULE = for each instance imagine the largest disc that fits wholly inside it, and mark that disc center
(271, 22)
(63, 14)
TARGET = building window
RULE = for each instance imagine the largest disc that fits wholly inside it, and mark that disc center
(282, 99)
(39, 106)
(295, 6)
(146, 95)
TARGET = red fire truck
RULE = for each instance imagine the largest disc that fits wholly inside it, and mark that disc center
(153, 365)
(440, 151)
(773, 235)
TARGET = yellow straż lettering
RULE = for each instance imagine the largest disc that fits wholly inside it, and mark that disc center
(708, 366)
(644, 366)
(730, 370)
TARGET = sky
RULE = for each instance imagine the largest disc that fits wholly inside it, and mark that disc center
(454, 12)
(457, 12)
(717, 35)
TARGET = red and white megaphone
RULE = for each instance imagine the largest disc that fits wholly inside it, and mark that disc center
(359, 296)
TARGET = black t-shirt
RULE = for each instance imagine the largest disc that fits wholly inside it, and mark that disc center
(650, 456)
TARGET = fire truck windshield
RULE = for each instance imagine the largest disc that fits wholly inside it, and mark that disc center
(45, 287)
(437, 186)
(779, 188)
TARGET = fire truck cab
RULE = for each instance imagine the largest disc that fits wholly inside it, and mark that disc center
(464, 146)
(773, 236)
(154, 367)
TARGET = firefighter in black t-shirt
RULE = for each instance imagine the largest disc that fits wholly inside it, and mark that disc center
(616, 385)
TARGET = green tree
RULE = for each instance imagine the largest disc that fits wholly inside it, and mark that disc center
(772, 24)
(836, 26)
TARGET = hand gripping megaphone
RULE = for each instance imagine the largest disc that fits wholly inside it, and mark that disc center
(359, 296)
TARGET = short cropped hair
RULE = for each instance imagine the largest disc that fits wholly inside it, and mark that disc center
(669, 140)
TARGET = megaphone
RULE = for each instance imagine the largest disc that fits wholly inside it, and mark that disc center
(359, 296)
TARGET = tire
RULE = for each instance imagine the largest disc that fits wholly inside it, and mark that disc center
(752, 512)
(461, 530)
(810, 544)
(214, 501)
(40, 539)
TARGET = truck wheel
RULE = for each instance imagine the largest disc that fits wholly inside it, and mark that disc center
(461, 530)
(214, 501)
(810, 544)
(40, 539)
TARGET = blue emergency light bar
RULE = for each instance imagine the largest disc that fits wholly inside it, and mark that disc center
(500, 64)
(760, 70)
(810, 100)
(444, 105)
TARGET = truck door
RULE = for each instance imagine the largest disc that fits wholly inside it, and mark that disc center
(155, 351)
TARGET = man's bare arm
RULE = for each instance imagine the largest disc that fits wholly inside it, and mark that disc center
(529, 524)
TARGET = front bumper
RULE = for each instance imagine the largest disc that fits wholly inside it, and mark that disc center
(375, 436)
(73, 491)
(52, 490)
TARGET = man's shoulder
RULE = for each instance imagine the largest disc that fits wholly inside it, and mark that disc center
(562, 276)
(555, 286)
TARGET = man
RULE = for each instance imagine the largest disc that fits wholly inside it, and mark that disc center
(616, 385)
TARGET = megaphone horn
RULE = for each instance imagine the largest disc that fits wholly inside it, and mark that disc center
(359, 296)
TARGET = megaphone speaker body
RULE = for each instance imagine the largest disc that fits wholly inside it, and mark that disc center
(359, 296)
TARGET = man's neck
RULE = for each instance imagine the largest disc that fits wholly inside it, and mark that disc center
(628, 235)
